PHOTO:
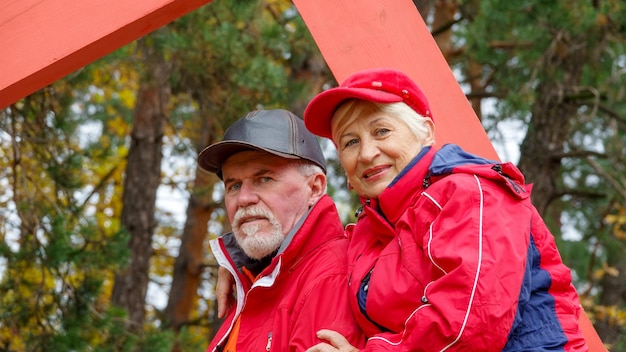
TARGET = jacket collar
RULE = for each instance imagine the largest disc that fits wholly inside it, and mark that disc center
(398, 196)
(318, 225)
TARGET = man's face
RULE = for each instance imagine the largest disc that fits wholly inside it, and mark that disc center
(265, 197)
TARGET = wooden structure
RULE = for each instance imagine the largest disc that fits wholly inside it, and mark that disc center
(43, 41)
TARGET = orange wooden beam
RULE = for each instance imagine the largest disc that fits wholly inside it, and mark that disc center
(358, 34)
(43, 41)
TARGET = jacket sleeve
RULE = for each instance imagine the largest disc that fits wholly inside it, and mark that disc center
(471, 240)
(324, 306)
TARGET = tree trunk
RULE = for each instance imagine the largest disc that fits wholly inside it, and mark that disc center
(613, 291)
(142, 178)
(424, 7)
(189, 264)
(441, 27)
(549, 130)
(552, 117)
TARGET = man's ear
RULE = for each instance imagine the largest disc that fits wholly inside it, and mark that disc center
(317, 183)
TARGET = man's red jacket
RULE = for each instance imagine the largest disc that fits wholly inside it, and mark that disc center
(302, 290)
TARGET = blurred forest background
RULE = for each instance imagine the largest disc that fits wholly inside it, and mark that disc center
(104, 217)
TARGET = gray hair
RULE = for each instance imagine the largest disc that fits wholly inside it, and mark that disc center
(308, 168)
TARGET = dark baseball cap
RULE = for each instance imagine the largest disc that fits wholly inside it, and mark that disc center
(378, 85)
(278, 132)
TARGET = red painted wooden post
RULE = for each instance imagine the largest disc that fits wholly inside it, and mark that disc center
(359, 34)
(43, 41)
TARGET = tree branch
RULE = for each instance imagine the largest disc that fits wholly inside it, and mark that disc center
(610, 179)
(577, 154)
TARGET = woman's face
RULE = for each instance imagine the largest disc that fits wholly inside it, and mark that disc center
(373, 150)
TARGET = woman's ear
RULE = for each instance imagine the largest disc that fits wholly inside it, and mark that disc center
(430, 136)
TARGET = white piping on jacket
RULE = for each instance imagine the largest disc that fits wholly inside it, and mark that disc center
(430, 233)
(480, 258)
(221, 259)
(268, 281)
(265, 281)
(480, 261)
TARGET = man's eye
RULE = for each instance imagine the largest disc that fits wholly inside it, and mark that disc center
(266, 179)
(234, 187)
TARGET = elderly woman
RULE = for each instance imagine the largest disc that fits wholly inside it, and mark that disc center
(448, 252)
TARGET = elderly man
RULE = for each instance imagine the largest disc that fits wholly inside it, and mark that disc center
(287, 251)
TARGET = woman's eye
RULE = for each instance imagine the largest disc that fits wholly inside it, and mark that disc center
(351, 142)
(382, 131)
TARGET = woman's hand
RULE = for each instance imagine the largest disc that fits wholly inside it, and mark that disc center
(338, 343)
(224, 291)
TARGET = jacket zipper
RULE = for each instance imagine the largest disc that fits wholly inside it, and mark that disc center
(269, 342)
(516, 187)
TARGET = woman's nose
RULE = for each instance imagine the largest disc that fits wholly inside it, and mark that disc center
(369, 151)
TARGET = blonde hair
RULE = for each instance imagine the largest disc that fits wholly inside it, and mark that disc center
(352, 109)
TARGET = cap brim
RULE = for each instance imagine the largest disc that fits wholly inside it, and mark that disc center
(212, 157)
(320, 110)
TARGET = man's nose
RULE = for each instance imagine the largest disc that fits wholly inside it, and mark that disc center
(247, 195)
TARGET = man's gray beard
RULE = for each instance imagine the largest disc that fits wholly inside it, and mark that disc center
(255, 245)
